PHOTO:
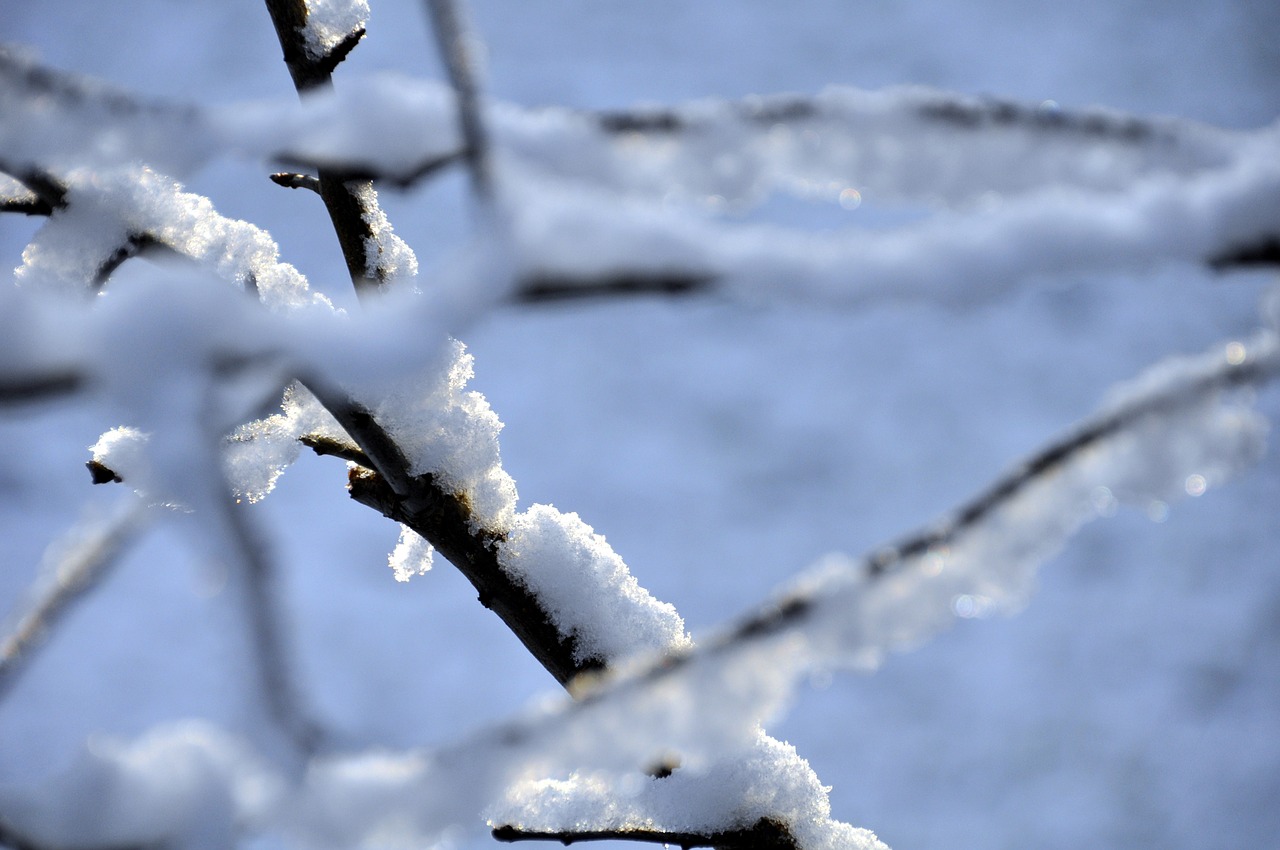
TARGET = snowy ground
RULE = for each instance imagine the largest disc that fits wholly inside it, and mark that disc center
(722, 447)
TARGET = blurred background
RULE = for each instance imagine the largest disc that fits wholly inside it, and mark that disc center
(723, 447)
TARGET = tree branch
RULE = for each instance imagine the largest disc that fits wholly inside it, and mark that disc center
(451, 40)
(349, 202)
(764, 834)
(89, 553)
(296, 181)
(275, 677)
(1264, 252)
(548, 288)
(1059, 453)
(27, 388)
(446, 521)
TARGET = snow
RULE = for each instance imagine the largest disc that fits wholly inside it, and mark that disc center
(412, 555)
(189, 783)
(769, 780)
(330, 22)
(1056, 231)
(388, 257)
(587, 588)
(1129, 706)
(451, 432)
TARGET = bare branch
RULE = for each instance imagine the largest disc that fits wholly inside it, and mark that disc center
(296, 181)
(542, 289)
(28, 388)
(953, 110)
(765, 834)
(275, 676)
(1264, 252)
(354, 170)
(452, 41)
(85, 556)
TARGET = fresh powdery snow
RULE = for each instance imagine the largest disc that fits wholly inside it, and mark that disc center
(388, 258)
(587, 588)
(330, 22)
(412, 555)
(989, 194)
(136, 200)
(768, 780)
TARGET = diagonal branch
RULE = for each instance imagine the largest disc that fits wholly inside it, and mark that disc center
(87, 556)
(445, 520)
(1056, 455)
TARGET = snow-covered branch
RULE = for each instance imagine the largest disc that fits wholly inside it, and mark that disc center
(73, 567)
(316, 35)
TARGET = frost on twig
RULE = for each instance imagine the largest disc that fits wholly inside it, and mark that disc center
(73, 567)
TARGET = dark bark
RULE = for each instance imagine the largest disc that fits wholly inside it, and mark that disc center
(25, 389)
(345, 200)
(446, 521)
(764, 834)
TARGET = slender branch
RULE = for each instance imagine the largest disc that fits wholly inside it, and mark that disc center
(350, 203)
(796, 609)
(1264, 252)
(50, 193)
(446, 521)
(451, 40)
(348, 170)
(546, 288)
(329, 447)
(954, 110)
(275, 676)
(296, 181)
(24, 389)
(765, 834)
(136, 245)
(28, 204)
(1061, 452)
(88, 554)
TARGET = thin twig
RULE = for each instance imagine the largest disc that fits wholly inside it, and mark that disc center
(546, 288)
(275, 676)
(296, 181)
(349, 202)
(452, 42)
(765, 834)
(85, 556)
(1061, 452)
(28, 388)
(1263, 252)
